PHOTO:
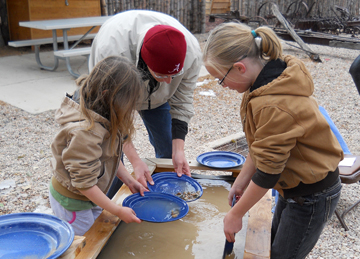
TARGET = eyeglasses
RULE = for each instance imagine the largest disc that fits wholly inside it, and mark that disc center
(221, 82)
(172, 76)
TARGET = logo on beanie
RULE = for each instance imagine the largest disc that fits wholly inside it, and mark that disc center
(177, 67)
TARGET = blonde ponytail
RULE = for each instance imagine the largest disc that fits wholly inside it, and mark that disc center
(230, 41)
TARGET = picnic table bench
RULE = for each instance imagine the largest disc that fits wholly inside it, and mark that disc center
(43, 41)
(64, 25)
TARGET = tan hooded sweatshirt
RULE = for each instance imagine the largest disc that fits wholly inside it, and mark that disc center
(285, 130)
(82, 158)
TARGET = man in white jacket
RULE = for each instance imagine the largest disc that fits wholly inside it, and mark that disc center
(169, 57)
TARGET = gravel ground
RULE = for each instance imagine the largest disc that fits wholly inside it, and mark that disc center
(25, 139)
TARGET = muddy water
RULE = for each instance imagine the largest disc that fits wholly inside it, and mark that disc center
(198, 235)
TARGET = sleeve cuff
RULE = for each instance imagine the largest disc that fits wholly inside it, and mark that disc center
(265, 180)
(179, 129)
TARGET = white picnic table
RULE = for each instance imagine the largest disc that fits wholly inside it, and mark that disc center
(65, 25)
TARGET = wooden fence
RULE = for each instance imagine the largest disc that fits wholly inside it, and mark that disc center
(191, 13)
(320, 8)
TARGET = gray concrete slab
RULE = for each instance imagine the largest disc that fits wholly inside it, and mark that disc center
(24, 85)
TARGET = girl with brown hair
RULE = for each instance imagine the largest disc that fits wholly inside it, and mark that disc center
(94, 124)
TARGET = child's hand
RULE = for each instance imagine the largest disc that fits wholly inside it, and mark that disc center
(232, 225)
(237, 192)
(135, 187)
(128, 215)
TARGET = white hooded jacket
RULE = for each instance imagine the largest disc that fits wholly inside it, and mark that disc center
(123, 35)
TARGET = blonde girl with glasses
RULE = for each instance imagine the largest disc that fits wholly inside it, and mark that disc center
(94, 124)
(291, 146)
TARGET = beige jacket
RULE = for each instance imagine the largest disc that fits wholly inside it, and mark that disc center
(82, 158)
(123, 34)
(285, 130)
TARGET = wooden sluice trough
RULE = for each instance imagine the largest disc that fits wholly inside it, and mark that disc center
(258, 230)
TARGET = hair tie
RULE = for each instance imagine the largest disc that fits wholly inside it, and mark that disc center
(258, 42)
(254, 34)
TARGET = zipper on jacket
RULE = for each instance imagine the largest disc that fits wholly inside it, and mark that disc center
(245, 107)
(152, 89)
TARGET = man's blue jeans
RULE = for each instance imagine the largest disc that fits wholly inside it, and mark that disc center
(158, 124)
(296, 228)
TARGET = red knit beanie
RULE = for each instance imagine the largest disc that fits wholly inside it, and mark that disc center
(164, 49)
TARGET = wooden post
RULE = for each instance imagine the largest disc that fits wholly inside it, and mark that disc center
(2, 43)
(189, 16)
(121, 6)
(161, 7)
(117, 6)
(4, 27)
(293, 34)
(195, 15)
(179, 11)
(185, 10)
(110, 7)
(203, 17)
(104, 10)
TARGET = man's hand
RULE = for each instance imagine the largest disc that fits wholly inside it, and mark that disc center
(142, 173)
(181, 166)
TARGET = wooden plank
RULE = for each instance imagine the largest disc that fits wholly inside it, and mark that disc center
(258, 235)
(105, 224)
(18, 10)
(75, 248)
(213, 177)
(208, 7)
(343, 44)
(219, 6)
(193, 164)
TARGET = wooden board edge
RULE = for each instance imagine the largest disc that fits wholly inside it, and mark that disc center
(75, 248)
(166, 163)
(258, 234)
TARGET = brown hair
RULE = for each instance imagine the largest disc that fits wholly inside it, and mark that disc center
(228, 42)
(112, 90)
